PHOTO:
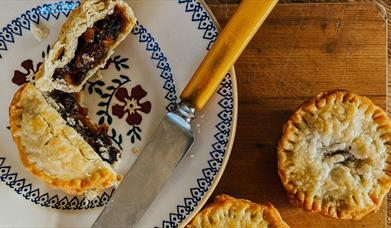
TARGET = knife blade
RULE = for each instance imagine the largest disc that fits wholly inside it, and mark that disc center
(163, 152)
(173, 137)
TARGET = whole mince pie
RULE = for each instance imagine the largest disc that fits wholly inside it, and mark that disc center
(333, 157)
(57, 141)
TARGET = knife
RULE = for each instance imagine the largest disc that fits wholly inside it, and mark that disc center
(173, 137)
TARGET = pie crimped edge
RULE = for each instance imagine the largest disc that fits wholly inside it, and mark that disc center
(227, 211)
(364, 204)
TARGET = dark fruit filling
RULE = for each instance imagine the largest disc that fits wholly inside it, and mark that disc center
(76, 117)
(93, 47)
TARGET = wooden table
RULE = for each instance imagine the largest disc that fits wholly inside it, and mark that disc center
(301, 50)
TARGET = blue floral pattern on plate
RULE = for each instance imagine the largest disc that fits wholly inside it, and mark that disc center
(204, 23)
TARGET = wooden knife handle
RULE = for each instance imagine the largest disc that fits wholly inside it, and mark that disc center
(228, 47)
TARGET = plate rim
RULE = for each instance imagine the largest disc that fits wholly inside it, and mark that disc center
(231, 138)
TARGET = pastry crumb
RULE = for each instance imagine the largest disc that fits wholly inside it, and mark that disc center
(198, 127)
(91, 195)
(39, 32)
(136, 150)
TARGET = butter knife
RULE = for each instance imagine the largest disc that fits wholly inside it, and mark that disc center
(173, 137)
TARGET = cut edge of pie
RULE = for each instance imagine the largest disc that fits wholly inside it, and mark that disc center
(342, 161)
(227, 211)
(78, 27)
(53, 151)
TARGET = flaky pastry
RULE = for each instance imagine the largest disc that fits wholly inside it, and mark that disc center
(333, 157)
(86, 41)
(229, 212)
(52, 150)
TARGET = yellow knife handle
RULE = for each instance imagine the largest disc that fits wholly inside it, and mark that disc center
(226, 50)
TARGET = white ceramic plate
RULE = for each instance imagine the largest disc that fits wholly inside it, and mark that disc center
(151, 67)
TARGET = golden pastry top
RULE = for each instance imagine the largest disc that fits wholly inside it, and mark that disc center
(229, 212)
(52, 150)
(333, 155)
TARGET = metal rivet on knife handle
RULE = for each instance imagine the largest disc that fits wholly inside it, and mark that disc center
(230, 44)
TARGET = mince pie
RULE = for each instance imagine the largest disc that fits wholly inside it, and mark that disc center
(333, 157)
(57, 141)
(59, 144)
(86, 42)
(229, 212)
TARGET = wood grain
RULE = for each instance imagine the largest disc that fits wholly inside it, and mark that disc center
(302, 49)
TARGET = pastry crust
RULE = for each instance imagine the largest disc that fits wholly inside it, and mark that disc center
(63, 50)
(333, 157)
(53, 151)
(227, 211)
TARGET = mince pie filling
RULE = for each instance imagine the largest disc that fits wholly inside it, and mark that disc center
(93, 47)
(76, 116)
(340, 154)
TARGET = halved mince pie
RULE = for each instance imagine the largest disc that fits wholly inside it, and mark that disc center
(59, 144)
(86, 42)
(57, 141)
(227, 211)
(334, 155)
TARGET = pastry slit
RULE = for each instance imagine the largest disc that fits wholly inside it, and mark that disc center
(340, 145)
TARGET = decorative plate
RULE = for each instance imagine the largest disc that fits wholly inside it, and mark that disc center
(149, 69)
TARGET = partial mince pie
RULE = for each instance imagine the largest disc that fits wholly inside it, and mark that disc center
(57, 141)
(86, 42)
(333, 157)
(59, 144)
(229, 212)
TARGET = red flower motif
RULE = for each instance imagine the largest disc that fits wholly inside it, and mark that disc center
(131, 105)
(20, 78)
